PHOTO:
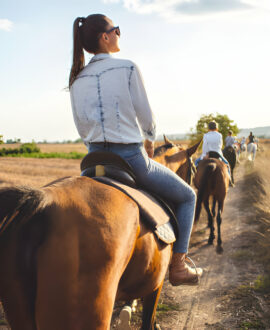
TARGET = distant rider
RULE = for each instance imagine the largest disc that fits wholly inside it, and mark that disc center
(251, 138)
(212, 141)
(230, 140)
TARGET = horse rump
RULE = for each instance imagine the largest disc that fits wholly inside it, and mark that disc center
(22, 230)
(204, 183)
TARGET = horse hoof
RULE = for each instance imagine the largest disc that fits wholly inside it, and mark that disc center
(210, 242)
(124, 319)
(219, 249)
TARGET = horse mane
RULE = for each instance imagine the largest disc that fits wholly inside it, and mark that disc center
(161, 149)
(16, 203)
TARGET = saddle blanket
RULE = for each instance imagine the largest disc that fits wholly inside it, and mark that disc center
(160, 221)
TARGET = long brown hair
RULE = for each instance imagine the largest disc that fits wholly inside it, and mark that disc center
(86, 33)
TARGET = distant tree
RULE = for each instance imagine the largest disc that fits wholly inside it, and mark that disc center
(1, 139)
(224, 125)
(11, 141)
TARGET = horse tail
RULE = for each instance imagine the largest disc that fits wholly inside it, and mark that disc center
(15, 203)
(204, 187)
(23, 225)
(230, 154)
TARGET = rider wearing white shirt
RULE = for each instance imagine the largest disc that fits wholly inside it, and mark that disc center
(112, 114)
(243, 141)
(212, 141)
(230, 140)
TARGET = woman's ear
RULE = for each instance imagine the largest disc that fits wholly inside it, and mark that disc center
(104, 36)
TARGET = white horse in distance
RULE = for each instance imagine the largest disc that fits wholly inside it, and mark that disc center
(251, 150)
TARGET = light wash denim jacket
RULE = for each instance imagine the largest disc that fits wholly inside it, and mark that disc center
(109, 102)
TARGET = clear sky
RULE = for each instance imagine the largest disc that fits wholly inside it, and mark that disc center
(196, 57)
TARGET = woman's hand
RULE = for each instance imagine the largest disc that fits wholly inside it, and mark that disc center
(149, 147)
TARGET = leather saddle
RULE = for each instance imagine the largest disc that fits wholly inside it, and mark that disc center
(110, 169)
(214, 154)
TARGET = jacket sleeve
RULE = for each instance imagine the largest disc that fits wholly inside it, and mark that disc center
(141, 104)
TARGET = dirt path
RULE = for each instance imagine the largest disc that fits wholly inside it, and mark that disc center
(209, 305)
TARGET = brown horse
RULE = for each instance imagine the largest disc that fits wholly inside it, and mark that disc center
(212, 180)
(176, 158)
(231, 155)
(69, 250)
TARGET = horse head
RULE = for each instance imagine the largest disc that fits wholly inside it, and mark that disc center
(177, 158)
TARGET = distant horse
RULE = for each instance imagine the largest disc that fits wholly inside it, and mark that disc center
(230, 154)
(243, 147)
(212, 180)
(251, 150)
(243, 150)
(69, 250)
(176, 158)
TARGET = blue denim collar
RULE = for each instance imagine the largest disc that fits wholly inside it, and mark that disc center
(99, 57)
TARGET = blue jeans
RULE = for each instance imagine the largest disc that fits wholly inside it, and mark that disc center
(160, 180)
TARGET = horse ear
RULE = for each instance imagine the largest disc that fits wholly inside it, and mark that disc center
(166, 140)
(193, 149)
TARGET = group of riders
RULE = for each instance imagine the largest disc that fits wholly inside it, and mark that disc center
(213, 142)
(112, 113)
(240, 145)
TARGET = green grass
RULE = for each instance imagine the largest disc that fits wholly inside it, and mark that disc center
(254, 324)
(241, 255)
(163, 308)
(64, 155)
(31, 150)
(262, 283)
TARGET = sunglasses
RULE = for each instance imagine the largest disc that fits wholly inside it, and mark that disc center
(116, 29)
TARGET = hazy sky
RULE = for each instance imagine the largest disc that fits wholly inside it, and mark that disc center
(196, 57)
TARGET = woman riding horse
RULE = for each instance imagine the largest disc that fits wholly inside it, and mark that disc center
(108, 101)
(212, 141)
(230, 140)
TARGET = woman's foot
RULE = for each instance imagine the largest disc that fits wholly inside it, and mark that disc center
(180, 273)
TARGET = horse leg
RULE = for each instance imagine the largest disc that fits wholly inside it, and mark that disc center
(125, 315)
(206, 206)
(254, 153)
(210, 222)
(149, 310)
(214, 207)
(219, 220)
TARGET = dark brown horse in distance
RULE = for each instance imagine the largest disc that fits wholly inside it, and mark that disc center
(230, 154)
(69, 250)
(212, 180)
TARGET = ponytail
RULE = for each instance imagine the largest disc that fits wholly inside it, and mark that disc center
(86, 33)
(78, 54)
